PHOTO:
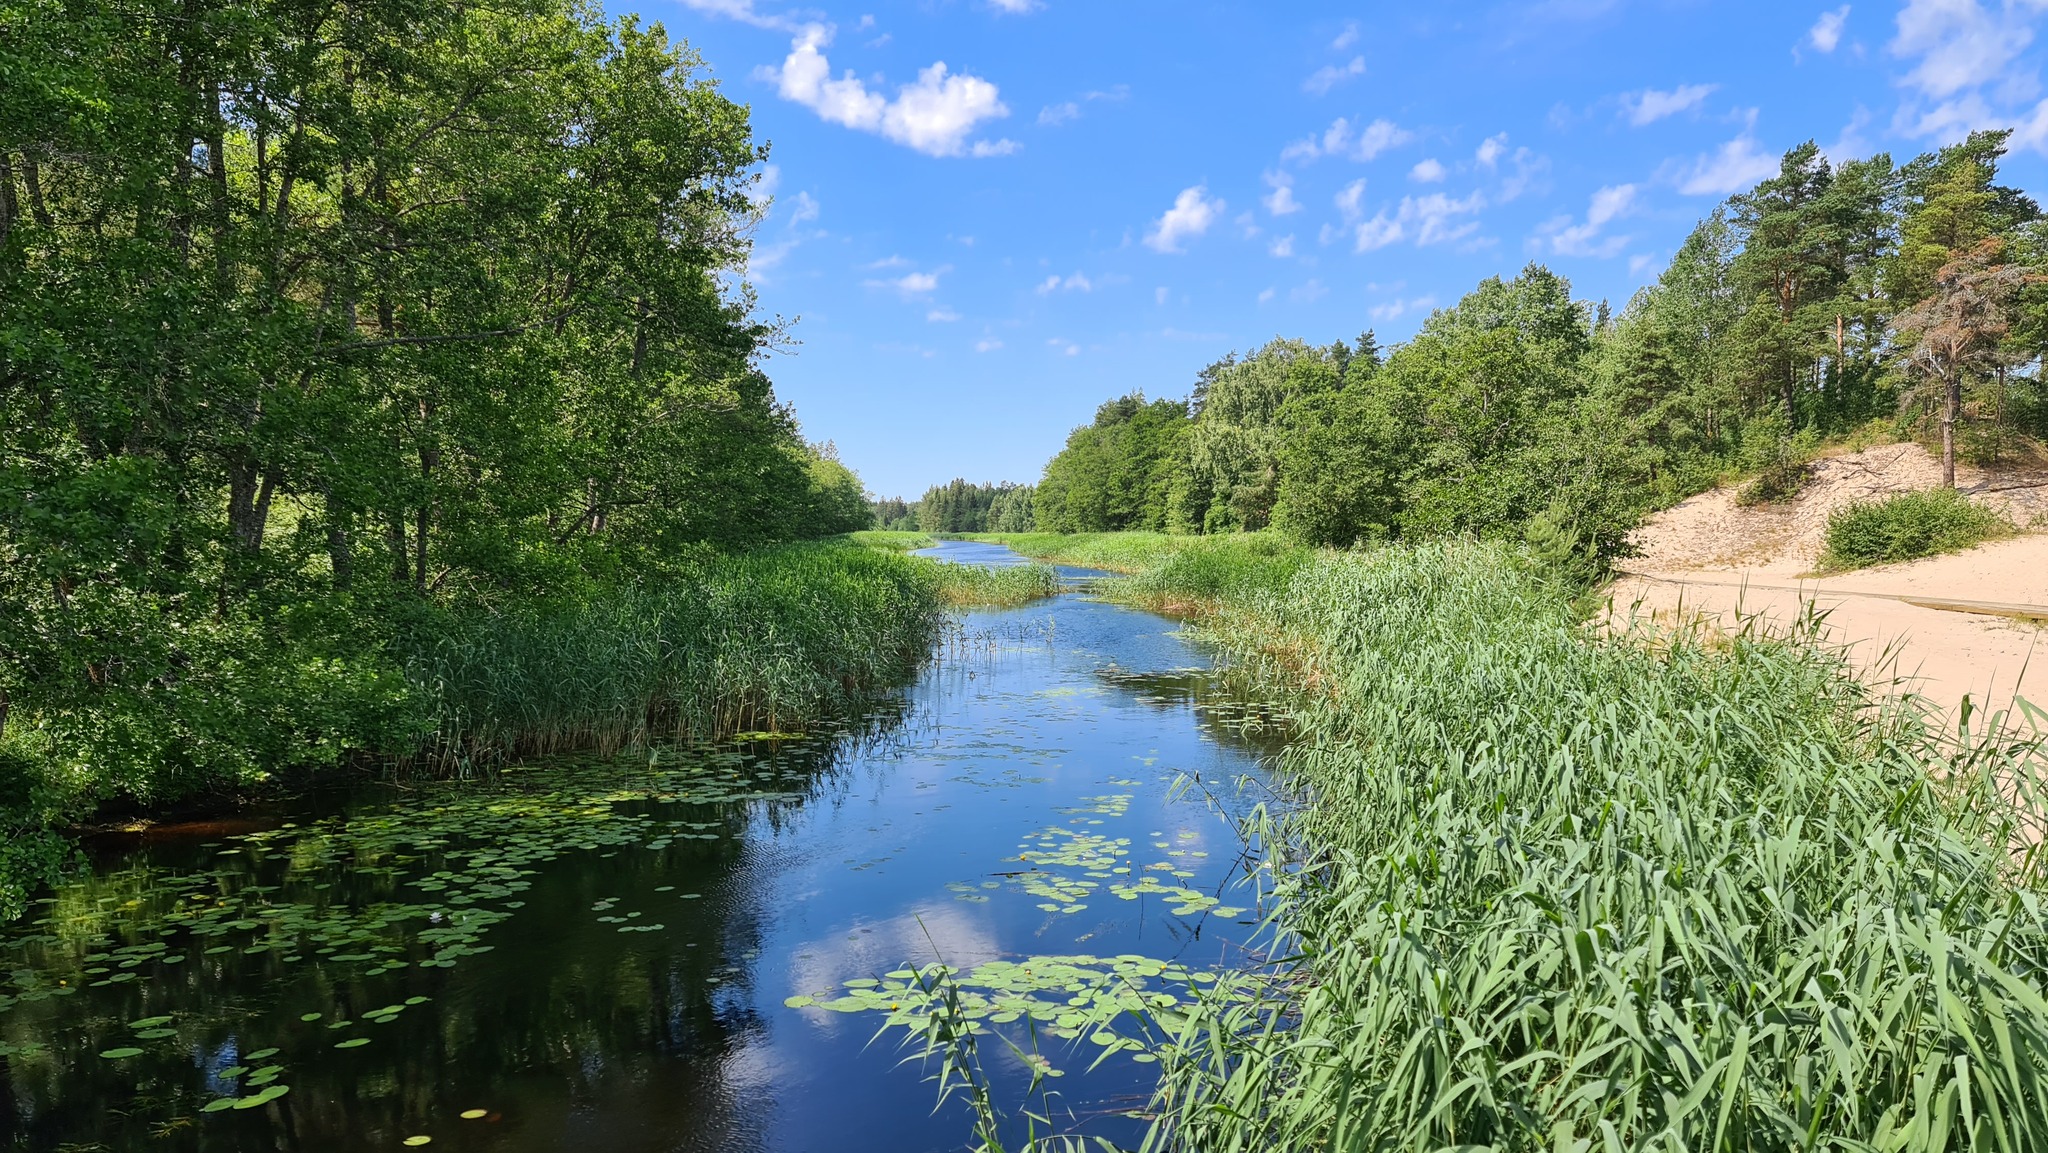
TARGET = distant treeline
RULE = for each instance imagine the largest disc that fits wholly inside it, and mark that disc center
(959, 507)
(1823, 298)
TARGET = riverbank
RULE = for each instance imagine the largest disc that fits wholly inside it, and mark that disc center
(1553, 886)
(768, 640)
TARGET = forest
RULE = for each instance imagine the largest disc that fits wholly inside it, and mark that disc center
(332, 335)
(1829, 296)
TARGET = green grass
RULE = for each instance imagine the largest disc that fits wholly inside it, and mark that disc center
(1907, 526)
(1125, 552)
(1544, 889)
(891, 541)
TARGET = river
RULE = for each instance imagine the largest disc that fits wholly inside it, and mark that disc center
(653, 952)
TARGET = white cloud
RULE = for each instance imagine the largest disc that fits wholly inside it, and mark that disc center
(1160, 294)
(1014, 7)
(742, 11)
(1584, 238)
(1265, 295)
(1308, 293)
(1431, 219)
(935, 115)
(1429, 171)
(1341, 139)
(911, 283)
(1640, 262)
(1732, 168)
(1191, 215)
(1826, 32)
(1491, 150)
(1652, 105)
(1065, 346)
(1280, 201)
(987, 344)
(1395, 309)
(1958, 44)
(1054, 115)
(1329, 76)
(1283, 247)
(942, 315)
(1074, 283)
(805, 208)
(1346, 38)
(1350, 200)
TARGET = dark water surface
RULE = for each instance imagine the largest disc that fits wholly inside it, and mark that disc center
(603, 954)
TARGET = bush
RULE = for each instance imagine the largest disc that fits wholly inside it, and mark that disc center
(1906, 527)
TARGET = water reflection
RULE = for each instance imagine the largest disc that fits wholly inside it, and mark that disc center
(597, 954)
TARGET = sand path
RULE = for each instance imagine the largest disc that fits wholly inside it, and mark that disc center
(1971, 623)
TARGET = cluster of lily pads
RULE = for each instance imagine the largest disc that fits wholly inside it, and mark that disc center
(1103, 859)
(417, 885)
(1127, 1003)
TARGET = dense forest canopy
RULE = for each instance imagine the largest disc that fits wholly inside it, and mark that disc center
(320, 322)
(1827, 296)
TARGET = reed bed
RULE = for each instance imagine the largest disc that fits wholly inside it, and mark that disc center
(970, 586)
(759, 641)
(889, 541)
(1124, 552)
(1545, 889)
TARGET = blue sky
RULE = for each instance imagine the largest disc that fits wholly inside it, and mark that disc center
(985, 217)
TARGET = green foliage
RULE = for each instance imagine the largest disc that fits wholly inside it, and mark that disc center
(1113, 475)
(1907, 526)
(1545, 890)
(960, 507)
(1522, 411)
(338, 342)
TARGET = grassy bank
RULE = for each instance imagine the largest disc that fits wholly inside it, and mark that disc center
(1554, 891)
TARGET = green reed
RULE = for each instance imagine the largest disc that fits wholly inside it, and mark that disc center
(1553, 890)
(759, 641)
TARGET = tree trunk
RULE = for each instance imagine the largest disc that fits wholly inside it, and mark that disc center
(1952, 409)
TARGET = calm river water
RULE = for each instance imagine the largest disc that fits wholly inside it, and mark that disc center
(652, 952)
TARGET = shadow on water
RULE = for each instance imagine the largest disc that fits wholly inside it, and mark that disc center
(631, 954)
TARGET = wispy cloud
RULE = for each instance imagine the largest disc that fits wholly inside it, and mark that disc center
(1652, 105)
(1583, 238)
(1728, 169)
(1329, 76)
(1341, 138)
(1826, 32)
(1430, 171)
(912, 284)
(1074, 283)
(1432, 219)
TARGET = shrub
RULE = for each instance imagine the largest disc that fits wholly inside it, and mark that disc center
(1906, 527)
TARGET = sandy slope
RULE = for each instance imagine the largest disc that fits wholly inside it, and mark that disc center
(1712, 557)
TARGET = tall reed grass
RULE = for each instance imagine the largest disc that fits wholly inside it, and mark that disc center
(1547, 889)
(769, 640)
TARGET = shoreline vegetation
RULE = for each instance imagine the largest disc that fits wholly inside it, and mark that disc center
(1547, 887)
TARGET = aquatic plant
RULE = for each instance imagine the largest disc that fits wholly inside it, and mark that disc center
(756, 641)
(1641, 891)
